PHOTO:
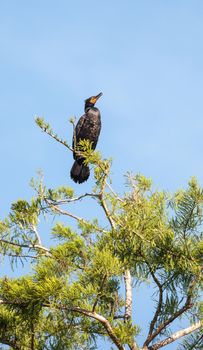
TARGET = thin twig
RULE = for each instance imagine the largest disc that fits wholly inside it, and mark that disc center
(54, 136)
(67, 213)
(75, 199)
(28, 246)
(63, 212)
(22, 256)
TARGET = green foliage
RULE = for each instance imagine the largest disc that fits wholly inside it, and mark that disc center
(74, 292)
(4, 226)
(104, 263)
(60, 193)
(138, 182)
(61, 231)
(72, 120)
(42, 124)
(24, 214)
(126, 331)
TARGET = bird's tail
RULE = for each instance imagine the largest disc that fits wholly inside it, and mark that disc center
(79, 171)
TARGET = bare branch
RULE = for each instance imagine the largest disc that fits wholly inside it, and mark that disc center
(128, 304)
(34, 229)
(9, 302)
(75, 199)
(116, 317)
(62, 211)
(67, 213)
(28, 246)
(128, 295)
(107, 212)
(176, 336)
(22, 256)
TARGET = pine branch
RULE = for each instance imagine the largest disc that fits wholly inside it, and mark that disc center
(158, 309)
(178, 313)
(92, 314)
(28, 246)
(99, 293)
(32, 330)
(104, 322)
(187, 214)
(176, 336)
(199, 339)
(190, 215)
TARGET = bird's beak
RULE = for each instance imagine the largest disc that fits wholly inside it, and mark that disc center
(98, 96)
(95, 98)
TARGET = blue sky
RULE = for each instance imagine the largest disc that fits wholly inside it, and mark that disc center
(145, 56)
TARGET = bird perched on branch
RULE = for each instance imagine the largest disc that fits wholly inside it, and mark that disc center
(87, 128)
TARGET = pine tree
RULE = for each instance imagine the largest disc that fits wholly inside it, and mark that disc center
(74, 293)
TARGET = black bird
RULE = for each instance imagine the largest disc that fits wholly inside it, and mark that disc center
(87, 128)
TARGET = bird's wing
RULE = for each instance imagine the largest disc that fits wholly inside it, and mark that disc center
(79, 125)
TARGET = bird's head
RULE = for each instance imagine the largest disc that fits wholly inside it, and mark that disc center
(90, 102)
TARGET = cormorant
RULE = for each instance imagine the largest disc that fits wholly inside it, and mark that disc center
(87, 128)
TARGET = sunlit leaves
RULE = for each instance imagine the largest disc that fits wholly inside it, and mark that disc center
(156, 236)
(104, 263)
(23, 213)
(126, 332)
(62, 231)
(188, 210)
